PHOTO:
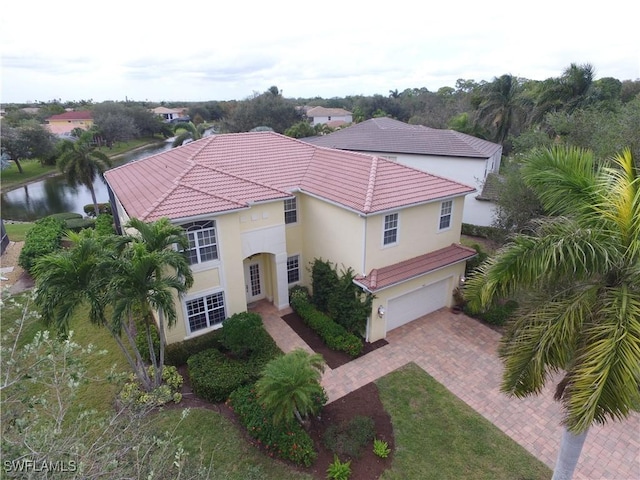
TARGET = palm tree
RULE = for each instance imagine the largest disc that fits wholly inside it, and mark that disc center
(126, 273)
(81, 163)
(140, 284)
(187, 131)
(500, 104)
(576, 280)
(290, 385)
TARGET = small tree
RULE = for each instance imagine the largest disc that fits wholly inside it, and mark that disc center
(290, 386)
(324, 278)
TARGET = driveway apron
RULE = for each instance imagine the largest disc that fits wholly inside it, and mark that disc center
(460, 353)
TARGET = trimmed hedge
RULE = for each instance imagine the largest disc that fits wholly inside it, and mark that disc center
(288, 441)
(177, 354)
(90, 210)
(478, 231)
(77, 224)
(245, 348)
(333, 334)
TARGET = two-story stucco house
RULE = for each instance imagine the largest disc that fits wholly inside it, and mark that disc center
(332, 117)
(64, 123)
(258, 208)
(447, 153)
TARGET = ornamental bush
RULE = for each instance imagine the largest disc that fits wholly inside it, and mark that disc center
(243, 334)
(132, 395)
(287, 440)
(43, 238)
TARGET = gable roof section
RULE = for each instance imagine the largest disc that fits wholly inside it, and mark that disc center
(392, 136)
(327, 112)
(381, 278)
(228, 172)
(68, 116)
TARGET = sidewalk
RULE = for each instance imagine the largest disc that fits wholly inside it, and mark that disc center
(460, 353)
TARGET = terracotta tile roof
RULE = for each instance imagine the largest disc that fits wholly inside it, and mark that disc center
(68, 116)
(392, 136)
(380, 278)
(327, 112)
(228, 172)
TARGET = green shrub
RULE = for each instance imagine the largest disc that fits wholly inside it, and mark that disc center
(143, 344)
(64, 216)
(288, 441)
(479, 231)
(44, 237)
(349, 305)
(104, 224)
(333, 334)
(214, 375)
(77, 224)
(381, 449)
(133, 396)
(339, 470)
(476, 261)
(497, 314)
(178, 353)
(90, 210)
(324, 279)
(350, 437)
(243, 334)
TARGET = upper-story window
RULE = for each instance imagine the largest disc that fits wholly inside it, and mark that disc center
(445, 214)
(290, 210)
(390, 232)
(203, 243)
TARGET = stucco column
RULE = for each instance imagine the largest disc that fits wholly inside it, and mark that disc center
(282, 295)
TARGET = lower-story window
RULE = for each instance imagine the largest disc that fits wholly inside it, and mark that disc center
(293, 268)
(204, 312)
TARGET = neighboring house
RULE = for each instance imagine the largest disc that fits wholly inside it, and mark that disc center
(332, 117)
(258, 208)
(64, 123)
(447, 153)
(169, 114)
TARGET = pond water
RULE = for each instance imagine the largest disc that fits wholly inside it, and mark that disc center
(54, 195)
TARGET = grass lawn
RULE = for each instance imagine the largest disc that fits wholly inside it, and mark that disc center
(438, 436)
(17, 231)
(11, 177)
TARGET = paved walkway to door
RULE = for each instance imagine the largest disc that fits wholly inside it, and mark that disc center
(460, 353)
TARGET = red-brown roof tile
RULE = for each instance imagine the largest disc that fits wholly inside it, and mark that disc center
(228, 172)
(380, 278)
(68, 116)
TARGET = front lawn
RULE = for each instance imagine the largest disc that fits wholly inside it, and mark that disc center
(436, 435)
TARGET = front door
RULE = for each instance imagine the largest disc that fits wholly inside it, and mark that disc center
(253, 282)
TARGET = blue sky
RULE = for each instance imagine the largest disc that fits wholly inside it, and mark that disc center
(191, 51)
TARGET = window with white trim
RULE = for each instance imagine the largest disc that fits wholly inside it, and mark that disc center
(390, 232)
(445, 214)
(203, 243)
(293, 268)
(205, 312)
(290, 210)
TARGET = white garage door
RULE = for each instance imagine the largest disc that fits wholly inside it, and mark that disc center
(415, 304)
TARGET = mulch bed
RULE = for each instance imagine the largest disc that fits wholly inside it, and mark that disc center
(364, 401)
(334, 359)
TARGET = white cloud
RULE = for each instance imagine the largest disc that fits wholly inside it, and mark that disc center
(165, 50)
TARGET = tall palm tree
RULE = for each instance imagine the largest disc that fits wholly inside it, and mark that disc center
(290, 385)
(577, 282)
(126, 274)
(81, 163)
(501, 103)
(187, 131)
(141, 283)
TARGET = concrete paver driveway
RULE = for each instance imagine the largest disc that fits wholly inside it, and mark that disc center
(460, 353)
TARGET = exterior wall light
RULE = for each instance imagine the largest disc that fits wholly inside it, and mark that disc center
(461, 280)
(381, 311)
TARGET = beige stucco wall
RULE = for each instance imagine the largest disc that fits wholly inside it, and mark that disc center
(377, 326)
(328, 232)
(417, 234)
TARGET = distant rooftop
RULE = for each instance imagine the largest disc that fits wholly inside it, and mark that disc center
(392, 136)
